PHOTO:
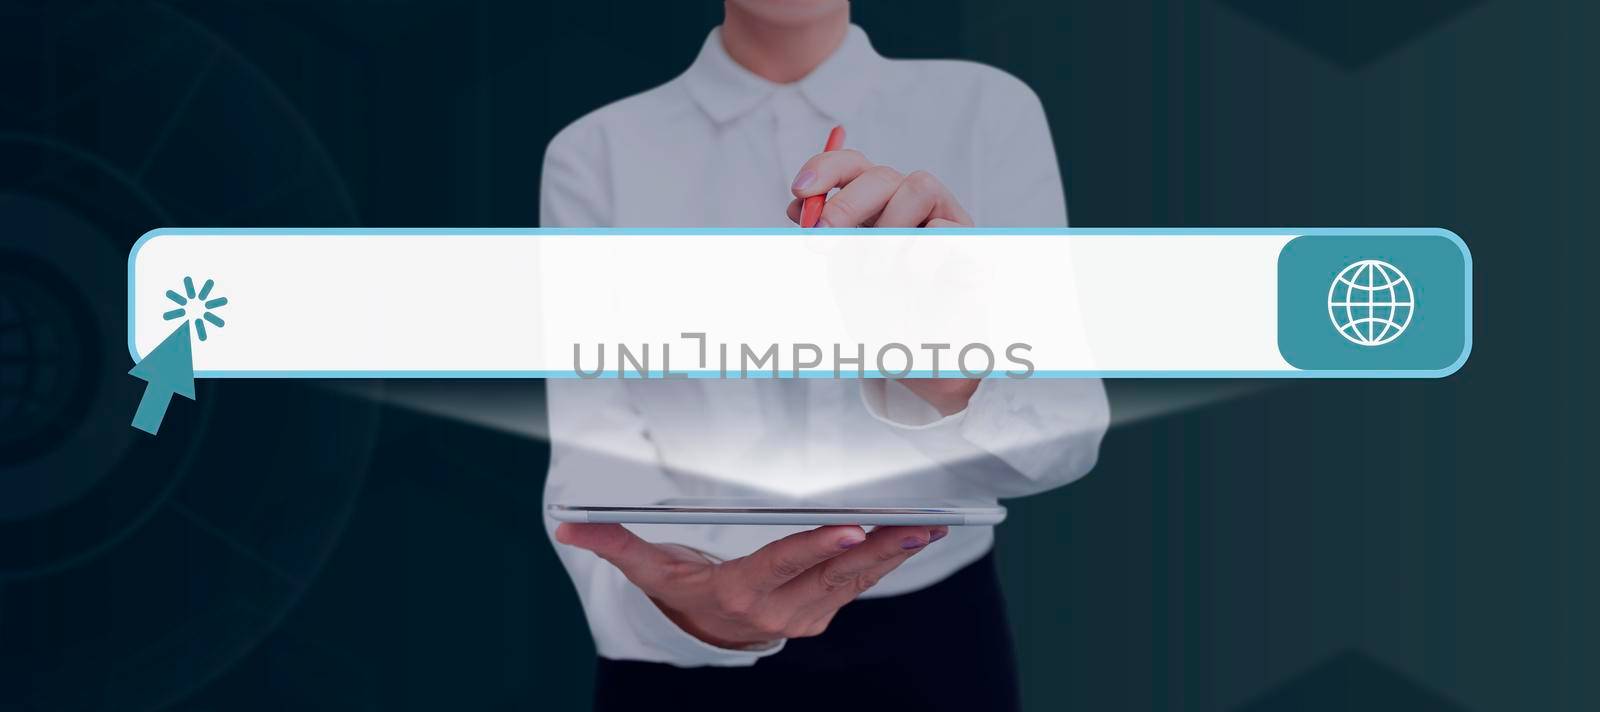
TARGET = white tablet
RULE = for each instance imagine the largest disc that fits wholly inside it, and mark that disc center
(786, 511)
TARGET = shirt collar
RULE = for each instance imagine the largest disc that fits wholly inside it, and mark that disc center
(726, 90)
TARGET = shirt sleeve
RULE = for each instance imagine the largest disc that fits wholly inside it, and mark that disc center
(1018, 178)
(600, 446)
(575, 185)
(1016, 436)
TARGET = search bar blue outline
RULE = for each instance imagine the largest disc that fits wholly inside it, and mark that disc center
(1293, 233)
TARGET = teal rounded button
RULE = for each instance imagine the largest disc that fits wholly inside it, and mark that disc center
(1376, 305)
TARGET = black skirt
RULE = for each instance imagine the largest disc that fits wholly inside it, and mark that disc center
(944, 647)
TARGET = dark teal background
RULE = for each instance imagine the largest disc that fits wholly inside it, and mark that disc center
(1360, 545)
(1433, 342)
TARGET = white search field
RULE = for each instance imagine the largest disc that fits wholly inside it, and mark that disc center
(716, 303)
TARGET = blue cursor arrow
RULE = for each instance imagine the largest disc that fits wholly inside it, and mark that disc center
(167, 371)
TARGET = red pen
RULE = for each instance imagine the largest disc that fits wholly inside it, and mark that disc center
(811, 209)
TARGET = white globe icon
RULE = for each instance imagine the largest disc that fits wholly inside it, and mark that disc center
(1371, 302)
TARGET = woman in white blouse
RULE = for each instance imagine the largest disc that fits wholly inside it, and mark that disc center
(712, 615)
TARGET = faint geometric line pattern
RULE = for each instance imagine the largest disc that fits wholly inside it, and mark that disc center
(1355, 33)
(1347, 682)
(114, 600)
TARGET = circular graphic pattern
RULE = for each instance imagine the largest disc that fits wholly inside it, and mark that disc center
(134, 569)
(42, 351)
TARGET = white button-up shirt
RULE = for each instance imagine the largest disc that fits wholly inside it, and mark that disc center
(718, 147)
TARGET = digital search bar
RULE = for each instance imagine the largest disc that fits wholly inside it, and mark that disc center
(787, 303)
